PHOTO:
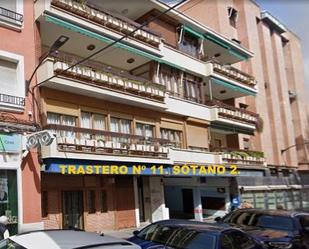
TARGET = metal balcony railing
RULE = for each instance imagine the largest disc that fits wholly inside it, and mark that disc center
(13, 100)
(234, 113)
(77, 139)
(110, 20)
(104, 76)
(237, 156)
(11, 16)
(234, 73)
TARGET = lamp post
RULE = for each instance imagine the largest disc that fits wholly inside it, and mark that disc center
(294, 145)
(54, 47)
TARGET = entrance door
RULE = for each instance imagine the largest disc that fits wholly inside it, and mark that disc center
(140, 187)
(72, 206)
(187, 202)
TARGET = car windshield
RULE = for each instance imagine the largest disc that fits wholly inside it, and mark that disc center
(190, 239)
(10, 244)
(260, 220)
(157, 233)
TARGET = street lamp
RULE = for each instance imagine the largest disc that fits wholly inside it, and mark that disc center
(54, 47)
(294, 145)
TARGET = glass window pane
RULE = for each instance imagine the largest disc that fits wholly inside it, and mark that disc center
(85, 123)
(115, 125)
(259, 200)
(271, 200)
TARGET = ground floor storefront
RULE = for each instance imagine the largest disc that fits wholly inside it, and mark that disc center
(94, 202)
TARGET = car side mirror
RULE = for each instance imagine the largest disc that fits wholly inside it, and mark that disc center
(135, 232)
(218, 219)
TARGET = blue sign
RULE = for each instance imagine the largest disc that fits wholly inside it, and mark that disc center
(10, 143)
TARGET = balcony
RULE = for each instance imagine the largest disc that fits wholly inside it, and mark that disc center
(227, 75)
(187, 156)
(101, 81)
(11, 18)
(230, 114)
(108, 20)
(76, 142)
(243, 157)
(9, 102)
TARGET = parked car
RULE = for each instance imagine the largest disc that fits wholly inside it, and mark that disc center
(64, 239)
(181, 234)
(274, 228)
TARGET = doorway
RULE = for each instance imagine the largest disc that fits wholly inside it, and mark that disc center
(187, 202)
(72, 206)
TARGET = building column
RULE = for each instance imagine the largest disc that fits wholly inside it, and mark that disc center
(157, 202)
(137, 216)
(198, 210)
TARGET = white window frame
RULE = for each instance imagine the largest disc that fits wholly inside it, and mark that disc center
(20, 78)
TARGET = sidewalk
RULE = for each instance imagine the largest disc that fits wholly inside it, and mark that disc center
(122, 234)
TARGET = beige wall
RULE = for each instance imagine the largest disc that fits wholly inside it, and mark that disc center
(277, 68)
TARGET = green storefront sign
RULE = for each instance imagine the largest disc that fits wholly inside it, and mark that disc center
(10, 143)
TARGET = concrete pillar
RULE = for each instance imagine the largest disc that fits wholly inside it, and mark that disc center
(136, 201)
(158, 209)
(198, 210)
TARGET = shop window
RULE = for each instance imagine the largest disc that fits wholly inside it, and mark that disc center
(213, 203)
(259, 200)
(175, 137)
(280, 198)
(44, 203)
(289, 200)
(91, 201)
(233, 15)
(271, 200)
(103, 201)
(8, 198)
(144, 130)
(61, 119)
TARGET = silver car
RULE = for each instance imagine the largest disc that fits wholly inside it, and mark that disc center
(64, 239)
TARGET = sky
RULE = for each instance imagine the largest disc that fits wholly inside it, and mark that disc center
(294, 14)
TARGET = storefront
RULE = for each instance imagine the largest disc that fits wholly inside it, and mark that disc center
(198, 197)
(10, 180)
(99, 200)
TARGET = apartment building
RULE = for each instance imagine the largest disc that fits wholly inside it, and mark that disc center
(188, 89)
(19, 169)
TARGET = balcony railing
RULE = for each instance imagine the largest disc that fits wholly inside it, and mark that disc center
(104, 76)
(230, 155)
(109, 20)
(11, 16)
(13, 100)
(76, 139)
(233, 113)
(234, 74)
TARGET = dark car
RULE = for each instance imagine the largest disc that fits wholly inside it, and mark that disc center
(181, 234)
(274, 228)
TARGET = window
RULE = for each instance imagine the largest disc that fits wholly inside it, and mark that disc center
(91, 201)
(226, 242)
(233, 15)
(144, 130)
(191, 239)
(241, 240)
(213, 203)
(9, 11)
(92, 121)
(246, 143)
(120, 126)
(170, 77)
(304, 221)
(103, 201)
(189, 45)
(44, 203)
(192, 87)
(61, 119)
(175, 137)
